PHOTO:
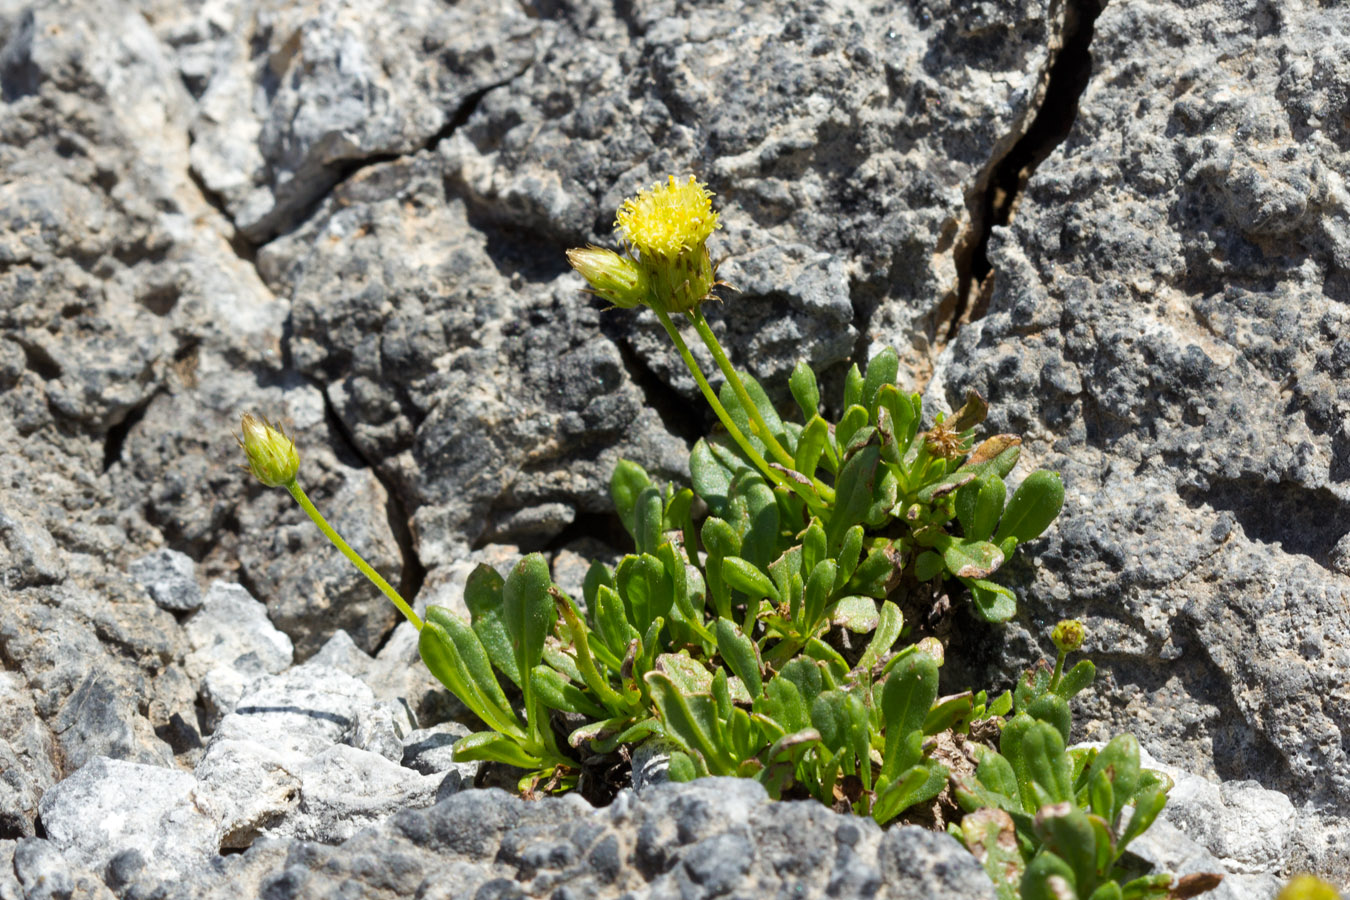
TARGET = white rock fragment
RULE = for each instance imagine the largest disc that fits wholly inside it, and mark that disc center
(111, 806)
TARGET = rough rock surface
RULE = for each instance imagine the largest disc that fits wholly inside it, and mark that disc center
(350, 215)
(1169, 324)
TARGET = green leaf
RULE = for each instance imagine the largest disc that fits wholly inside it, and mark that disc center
(612, 626)
(625, 486)
(1147, 805)
(1119, 762)
(1049, 878)
(759, 542)
(687, 674)
(971, 559)
(646, 588)
(979, 505)
(681, 768)
(1108, 891)
(556, 692)
(528, 610)
(483, 597)
(857, 614)
(453, 653)
(947, 711)
(898, 422)
(721, 541)
(1053, 709)
(1034, 505)
(1077, 678)
(1045, 761)
(917, 784)
(784, 704)
(944, 485)
(872, 577)
(853, 421)
(928, 566)
(489, 746)
(740, 654)
(1067, 833)
(853, 493)
(853, 387)
(690, 719)
(882, 370)
(711, 480)
(811, 445)
(887, 631)
(850, 552)
(994, 602)
(597, 574)
(819, 587)
(747, 578)
(906, 697)
(830, 716)
(649, 520)
(802, 383)
(814, 547)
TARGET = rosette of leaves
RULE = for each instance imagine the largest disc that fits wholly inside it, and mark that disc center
(1050, 823)
(901, 500)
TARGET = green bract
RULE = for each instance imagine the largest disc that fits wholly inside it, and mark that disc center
(757, 626)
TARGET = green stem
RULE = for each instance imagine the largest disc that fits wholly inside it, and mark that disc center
(1059, 670)
(352, 555)
(757, 422)
(741, 441)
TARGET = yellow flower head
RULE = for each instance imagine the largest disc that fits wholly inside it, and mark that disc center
(272, 457)
(665, 221)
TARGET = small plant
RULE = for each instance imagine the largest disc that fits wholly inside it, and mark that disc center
(725, 633)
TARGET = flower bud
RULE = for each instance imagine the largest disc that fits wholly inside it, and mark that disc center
(612, 277)
(682, 283)
(668, 226)
(271, 454)
(1308, 887)
(1068, 635)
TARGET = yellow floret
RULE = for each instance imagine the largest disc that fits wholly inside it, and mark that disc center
(665, 221)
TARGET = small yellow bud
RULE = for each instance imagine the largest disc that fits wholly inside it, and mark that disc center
(612, 277)
(1308, 887)
(1068, 635)
(271, 454)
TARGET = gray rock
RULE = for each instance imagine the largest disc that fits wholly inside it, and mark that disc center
(345, 789)
(245, 788)
(232, 629)
(1167, 326)
(651, 763)
(293, 98)
(183, 453)
(29, 763)
(110, 806)
(233, 643)
(170, 578)
(919, 863)
(34, 869)
(299, 713)
(716, 837)
(431, 750)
